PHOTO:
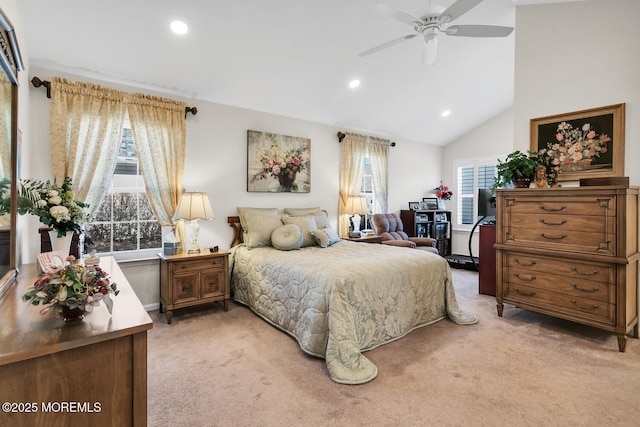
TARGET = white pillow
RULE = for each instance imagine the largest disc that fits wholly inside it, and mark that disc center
(307, 224)
(287, 237)
(325, 237)
(259, 228)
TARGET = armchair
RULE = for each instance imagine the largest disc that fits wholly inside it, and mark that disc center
(389, 226)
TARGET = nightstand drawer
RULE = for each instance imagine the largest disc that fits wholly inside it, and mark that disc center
(198, 264)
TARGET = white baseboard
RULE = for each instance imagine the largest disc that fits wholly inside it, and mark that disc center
(152, 307)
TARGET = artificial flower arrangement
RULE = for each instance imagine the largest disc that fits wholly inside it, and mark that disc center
(443, 192)
(574, 145)
(280, 163)
(71, 287)
(55, 206)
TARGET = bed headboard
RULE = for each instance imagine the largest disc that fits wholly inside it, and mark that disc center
(234, 222)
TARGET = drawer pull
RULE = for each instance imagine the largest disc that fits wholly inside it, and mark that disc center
(584, 273)
(186, 287)
(573, 285)
(542, 220)
(553, 237)
(585, 307)
(561, 208)
(526, 294)
(524, 264)
(213, 284)
(524, 278)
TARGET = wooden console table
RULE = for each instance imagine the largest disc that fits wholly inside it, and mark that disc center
(93, 372)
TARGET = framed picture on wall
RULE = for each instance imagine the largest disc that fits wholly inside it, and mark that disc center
(581, 144)
(278, 163)
(430, 203)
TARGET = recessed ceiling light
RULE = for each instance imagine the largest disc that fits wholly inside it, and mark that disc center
(354, 84)
(179, 27)
(446, 113)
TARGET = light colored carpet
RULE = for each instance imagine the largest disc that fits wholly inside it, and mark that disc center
(216, 368)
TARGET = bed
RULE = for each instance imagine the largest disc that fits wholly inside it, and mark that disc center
(341, 299)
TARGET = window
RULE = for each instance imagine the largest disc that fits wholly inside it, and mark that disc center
(472, 175)
(124, 222)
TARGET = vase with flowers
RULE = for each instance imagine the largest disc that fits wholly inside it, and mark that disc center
(442, 193)
(283, 165)
(71, 290)
(56, 207)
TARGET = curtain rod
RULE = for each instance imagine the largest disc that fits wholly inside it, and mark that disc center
(341, 136)
(36, 82)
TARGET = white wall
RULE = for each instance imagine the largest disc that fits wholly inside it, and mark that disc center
(490, 140)
(575, 56)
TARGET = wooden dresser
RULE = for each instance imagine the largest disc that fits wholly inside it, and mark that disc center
(571, 253)
(91, 372)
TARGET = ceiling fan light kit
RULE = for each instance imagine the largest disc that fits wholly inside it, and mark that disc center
(434, 20)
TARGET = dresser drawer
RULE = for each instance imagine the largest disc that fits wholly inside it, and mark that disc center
(200, 264)
(581, 307)
(567, 267)
(560, 205)
(580, 288)
(553, 239)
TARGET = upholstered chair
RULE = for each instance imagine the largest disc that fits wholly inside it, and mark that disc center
(389, 226)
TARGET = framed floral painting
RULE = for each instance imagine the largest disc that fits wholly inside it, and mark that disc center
(582, 144)
(278, 163)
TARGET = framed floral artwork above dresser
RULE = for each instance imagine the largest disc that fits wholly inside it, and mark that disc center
(581, 144)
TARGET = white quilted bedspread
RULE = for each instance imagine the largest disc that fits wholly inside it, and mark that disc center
(345, 299)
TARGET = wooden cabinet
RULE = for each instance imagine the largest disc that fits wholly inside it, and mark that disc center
(571, 253)
(192, 279)
(434, 224)
(487, 260)
(97, 366)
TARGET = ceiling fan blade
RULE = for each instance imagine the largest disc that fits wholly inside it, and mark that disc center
(397, 14)
(458, 9)
(478, 31)
(429, 50)
(387, 44)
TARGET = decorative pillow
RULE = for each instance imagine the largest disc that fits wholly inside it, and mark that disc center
(259, 228)
(307, 224)
(287, 237)
(301, 211)
(244, 212)
(325, 237)
(322, 218)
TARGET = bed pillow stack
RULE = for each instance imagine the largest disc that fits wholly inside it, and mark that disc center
(296, 228)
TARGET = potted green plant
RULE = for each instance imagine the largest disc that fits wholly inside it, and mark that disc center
(517, 169)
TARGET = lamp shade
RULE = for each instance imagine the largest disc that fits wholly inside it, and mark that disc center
(192, 206)
(356, 205)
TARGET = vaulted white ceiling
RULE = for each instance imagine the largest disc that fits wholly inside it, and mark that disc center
(289, 57)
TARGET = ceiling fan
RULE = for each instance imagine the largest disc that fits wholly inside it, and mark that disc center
(434, 20)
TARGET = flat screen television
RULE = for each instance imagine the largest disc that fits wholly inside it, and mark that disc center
(486, 203)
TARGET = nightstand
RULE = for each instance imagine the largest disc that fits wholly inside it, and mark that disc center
(365, 239)
(192, 279)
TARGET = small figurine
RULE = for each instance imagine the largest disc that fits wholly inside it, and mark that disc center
(540, 180)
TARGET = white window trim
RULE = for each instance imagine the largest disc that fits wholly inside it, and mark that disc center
(474, 163)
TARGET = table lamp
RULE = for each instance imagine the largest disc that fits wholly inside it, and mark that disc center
(192, 207)
(356, 206)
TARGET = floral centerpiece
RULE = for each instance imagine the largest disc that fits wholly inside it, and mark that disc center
(55, 206)
(281, 164)
(71, 290)
(574, 148)
(443, 192)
